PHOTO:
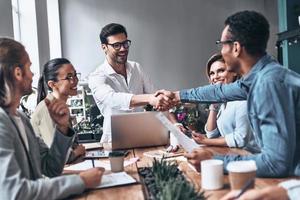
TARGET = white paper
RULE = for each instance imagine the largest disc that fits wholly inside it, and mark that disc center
(93, 145)
(187, 143)
(114, 179)
(88, 164)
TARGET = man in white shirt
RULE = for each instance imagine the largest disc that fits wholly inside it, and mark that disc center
(119, 85)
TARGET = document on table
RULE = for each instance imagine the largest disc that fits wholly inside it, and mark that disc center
(88, 164)
(187, 143)
(116, 179)
(93, 145)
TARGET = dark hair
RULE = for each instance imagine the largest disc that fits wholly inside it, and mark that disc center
(50, 72)
(111, 29)
(251, 29)
(211, 60)
(11, 53)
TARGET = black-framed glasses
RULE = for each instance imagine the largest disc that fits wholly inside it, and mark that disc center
(224, 42)
(117, 46)
(70, 77)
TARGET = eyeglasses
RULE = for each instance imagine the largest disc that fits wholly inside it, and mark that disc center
(70, 77)
(117, 46)
(221, 43)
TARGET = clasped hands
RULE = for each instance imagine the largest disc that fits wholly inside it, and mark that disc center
(163, 100)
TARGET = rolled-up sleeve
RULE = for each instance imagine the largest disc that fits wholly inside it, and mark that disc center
(213, 133)
(105, 95)
(217, 93)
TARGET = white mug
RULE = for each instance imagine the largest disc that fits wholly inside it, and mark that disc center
(212, 177)
(299, 19)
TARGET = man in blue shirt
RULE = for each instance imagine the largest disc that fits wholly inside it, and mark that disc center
(272, 92)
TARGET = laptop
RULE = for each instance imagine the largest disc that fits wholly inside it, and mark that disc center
(138, 129)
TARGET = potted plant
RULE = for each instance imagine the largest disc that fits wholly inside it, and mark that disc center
(164, 181)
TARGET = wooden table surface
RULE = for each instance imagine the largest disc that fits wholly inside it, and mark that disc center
(135, 191)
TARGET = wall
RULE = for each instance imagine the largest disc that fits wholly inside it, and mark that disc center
(172, 39)
(6, 22)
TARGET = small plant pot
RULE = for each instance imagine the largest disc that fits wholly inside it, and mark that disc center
(116, 159)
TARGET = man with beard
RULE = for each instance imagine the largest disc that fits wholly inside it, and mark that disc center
(272, 93)
(119, 85)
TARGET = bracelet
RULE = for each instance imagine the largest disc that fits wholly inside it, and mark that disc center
(213, 108)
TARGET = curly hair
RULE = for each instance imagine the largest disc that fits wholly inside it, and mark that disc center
(251, 29)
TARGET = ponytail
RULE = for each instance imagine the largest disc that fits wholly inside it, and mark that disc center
(42, 91)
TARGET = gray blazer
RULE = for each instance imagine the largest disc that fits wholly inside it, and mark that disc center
(21, 176)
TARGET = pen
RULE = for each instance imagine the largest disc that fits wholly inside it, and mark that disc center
(93, 163)
(247, 186)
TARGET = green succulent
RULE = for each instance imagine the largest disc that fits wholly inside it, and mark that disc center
(165, 181)
(175, 189)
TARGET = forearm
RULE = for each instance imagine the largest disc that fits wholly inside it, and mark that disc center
(211, 123)
(265, 167)
(214, 93)
(53, 159)
(215, 142)
(140, 100)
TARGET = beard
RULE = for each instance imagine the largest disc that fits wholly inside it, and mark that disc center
(121, 57)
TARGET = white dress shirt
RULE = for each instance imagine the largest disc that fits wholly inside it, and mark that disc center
(234, 126)
(113, 94)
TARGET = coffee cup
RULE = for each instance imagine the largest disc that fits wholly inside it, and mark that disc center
(212, 177)
(240, 172)
(116, 159)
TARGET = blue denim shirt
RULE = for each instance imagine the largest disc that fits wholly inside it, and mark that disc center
(273, 101)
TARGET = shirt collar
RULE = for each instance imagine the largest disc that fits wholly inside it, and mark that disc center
(258, 66)
(109, 70)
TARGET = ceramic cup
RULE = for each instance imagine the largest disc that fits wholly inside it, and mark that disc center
(116, 161)
(212, 177)
(240, 172)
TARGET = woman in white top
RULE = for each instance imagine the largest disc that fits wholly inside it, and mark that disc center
(227, 123)
(59, 76)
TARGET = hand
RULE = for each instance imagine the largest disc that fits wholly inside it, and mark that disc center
(59, 113)
(174, 96)
(268, 193)
(172, 148)
(161, 102)
(92, 177)
(180, 127)
(197, 156)
(199, 138)
(79, 150)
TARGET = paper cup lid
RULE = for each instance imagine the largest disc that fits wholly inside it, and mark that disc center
(242, 166)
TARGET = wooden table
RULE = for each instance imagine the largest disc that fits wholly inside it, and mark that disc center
(136, 191)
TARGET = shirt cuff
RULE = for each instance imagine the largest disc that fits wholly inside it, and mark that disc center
(211, 134)
(126, 101)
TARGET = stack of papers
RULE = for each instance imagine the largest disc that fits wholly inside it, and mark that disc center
(187, 143)
(116, 179)
(162, 154)
(93, 145)
(88, 164)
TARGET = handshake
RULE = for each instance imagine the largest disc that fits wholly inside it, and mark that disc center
(163, 100)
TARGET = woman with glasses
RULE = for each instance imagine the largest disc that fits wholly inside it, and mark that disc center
(59, 76)
(227, 123)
